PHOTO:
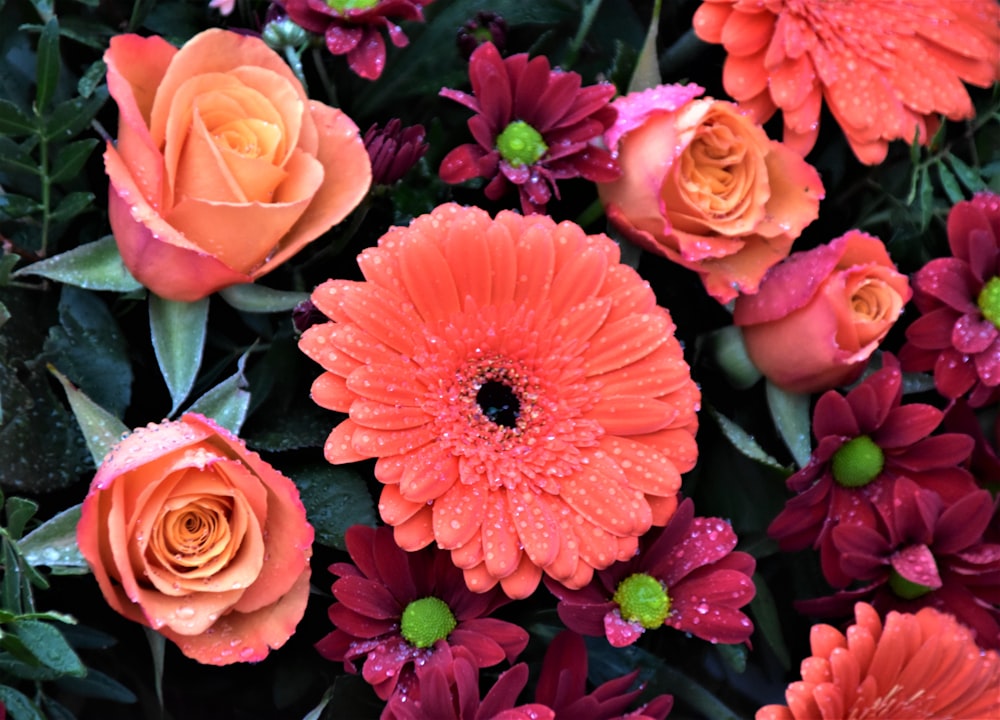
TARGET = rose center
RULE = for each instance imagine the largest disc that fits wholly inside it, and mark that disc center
(642, 598)
(499, 403)
(857, 462)
(989, 301)
(426, 621)
(520, 144)
(345, 5)
(191, 535)
(867, 302)
(906, 589)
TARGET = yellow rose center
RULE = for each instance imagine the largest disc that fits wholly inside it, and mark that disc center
(194, 533)
(249, 137)
(716, 173)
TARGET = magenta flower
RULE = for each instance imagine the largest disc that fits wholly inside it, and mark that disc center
(930, 554)
(958, 335)
(866, 441)
(354, 27)
(533, 126)
(394, 149)
(685, 576)
(397, 609)
(562, 686)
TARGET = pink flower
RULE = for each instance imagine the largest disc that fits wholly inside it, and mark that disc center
(959, 297)
(685, 576)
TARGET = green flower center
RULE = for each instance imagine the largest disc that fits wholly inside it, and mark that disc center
(426, 621)
(345, 5)
(520, 144)
(642, 598)
(906, 589)
(857, 462)
(989, 301)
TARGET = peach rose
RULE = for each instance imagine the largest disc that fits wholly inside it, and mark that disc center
(193, 535)
(704, 186)
(223, 168)
(821, 313)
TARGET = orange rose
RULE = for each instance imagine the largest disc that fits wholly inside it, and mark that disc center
(223, 168)
(193, 535)
(820, 314)
(704, 186)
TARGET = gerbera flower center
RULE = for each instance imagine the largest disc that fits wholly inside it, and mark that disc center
(906, 589)
(642, 598)
(499, 403)
(520, 144)
(989, 301)
(857, 462)
(426, 621)
(344, 5)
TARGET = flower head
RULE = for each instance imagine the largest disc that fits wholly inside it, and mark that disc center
(685, 576)
(866, 441)
(958, 335)
(394, 150)
(398, 610)
(533, 126)
(485, 27)
(922, 665)
(929, 554)
(562, 686)
(886, 68)
(528, 403)
(354, 27)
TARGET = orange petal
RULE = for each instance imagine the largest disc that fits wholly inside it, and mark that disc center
(458, 515)
(523, 581)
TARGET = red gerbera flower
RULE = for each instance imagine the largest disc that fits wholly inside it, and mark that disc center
(527, 400)
(886, 68)
(959, 297)
(533, 126)
(866, 441)
(685, 576)
(354, 27)
(919, 666)
(562, 686)
(928, 555)
(397, 610)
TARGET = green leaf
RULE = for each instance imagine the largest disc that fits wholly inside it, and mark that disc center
(18, 706)
(735, 656)
(19, 512)
(49, 647)
(743, 441)
(68, 118)
(11, 589)
(767, 622)
(47, 67)
(101, 429)
(335, 498)
(178, 332)
(71, 158)
(13, 121)
(926, 198)
(53, 544)
(647, 68)
(97, 685)
(13, 207)
(949, 183)
(14, 158)
(227, 403)
(157, 647)
(91, 78)
(969, 177)
(259, 299)
(790, 413)
(70, 206)
(95, 266)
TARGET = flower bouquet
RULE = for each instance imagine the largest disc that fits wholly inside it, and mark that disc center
(454, 359)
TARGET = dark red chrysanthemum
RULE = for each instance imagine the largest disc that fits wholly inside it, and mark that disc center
(685, 576)
(866, 441)
(533, 126)
(958, 335)
(394, 149)
(451, 692)
(929, 555)
(398, 609)
(562, 686)
(354, 27)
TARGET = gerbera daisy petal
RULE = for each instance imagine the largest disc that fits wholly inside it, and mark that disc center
(458, 514)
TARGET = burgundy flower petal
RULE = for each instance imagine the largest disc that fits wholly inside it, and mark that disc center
(461, 164)
(905, 425)
(490, 640)
(963, 523)
(873, 399)
(933, 331)
(619, 631)
(954, 373)
(367, 59)
(916, 564)
(973, 333)
(935, 452)
(716, 624)
(950, 281)
(834, 416)
(341, 39)
(988, 365)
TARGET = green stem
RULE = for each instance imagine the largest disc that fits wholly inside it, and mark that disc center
(588, 14)
(46, 192)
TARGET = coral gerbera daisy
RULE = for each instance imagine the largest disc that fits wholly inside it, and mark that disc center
(533, 126)
(958, 335)
(866, 441)
(886, 68)
(354, 27)
(922, 665)
(397, 610)
(685, 576)
(528, 403)
(928, 555)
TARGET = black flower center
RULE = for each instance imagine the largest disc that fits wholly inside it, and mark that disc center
(499, 403)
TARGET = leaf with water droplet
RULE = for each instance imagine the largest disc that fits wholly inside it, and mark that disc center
(178, 331)
(335, 498)
(254, 298)
(94, 266)
(743, 441)
(101, 429)
(790, 412)
(53, 544)
(227, 403)
(44, 641)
